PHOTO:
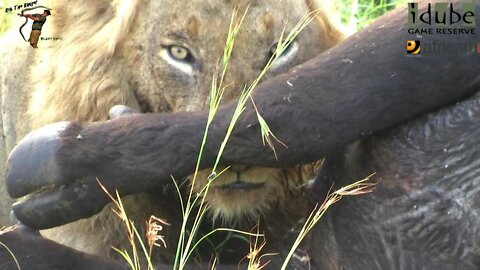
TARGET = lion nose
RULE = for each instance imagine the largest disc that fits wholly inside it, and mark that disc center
(238, 170)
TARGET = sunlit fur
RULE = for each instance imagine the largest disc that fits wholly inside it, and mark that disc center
(233, 205)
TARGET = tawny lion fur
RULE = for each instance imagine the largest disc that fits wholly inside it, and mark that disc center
(116, 52)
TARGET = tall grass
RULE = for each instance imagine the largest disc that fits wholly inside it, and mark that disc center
(133, 258)
(196, 200)
(186, 240)
(184, 248)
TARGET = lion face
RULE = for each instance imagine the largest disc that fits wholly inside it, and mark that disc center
(178, 47)
(185, 46)
(243, 193)
(160, 56)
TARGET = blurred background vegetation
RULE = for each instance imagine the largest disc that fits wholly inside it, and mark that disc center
(356, 14)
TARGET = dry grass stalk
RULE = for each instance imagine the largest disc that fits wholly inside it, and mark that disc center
(152, 235)
(254, 256)
(154, 227)
(363, 186)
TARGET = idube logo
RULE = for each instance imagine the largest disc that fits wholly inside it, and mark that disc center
(442, 18)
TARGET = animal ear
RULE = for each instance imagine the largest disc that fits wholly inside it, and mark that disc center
(329, 18)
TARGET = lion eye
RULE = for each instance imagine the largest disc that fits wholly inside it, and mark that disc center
(288, 49)
(287, 55)
(179, 53)
(179, 57)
